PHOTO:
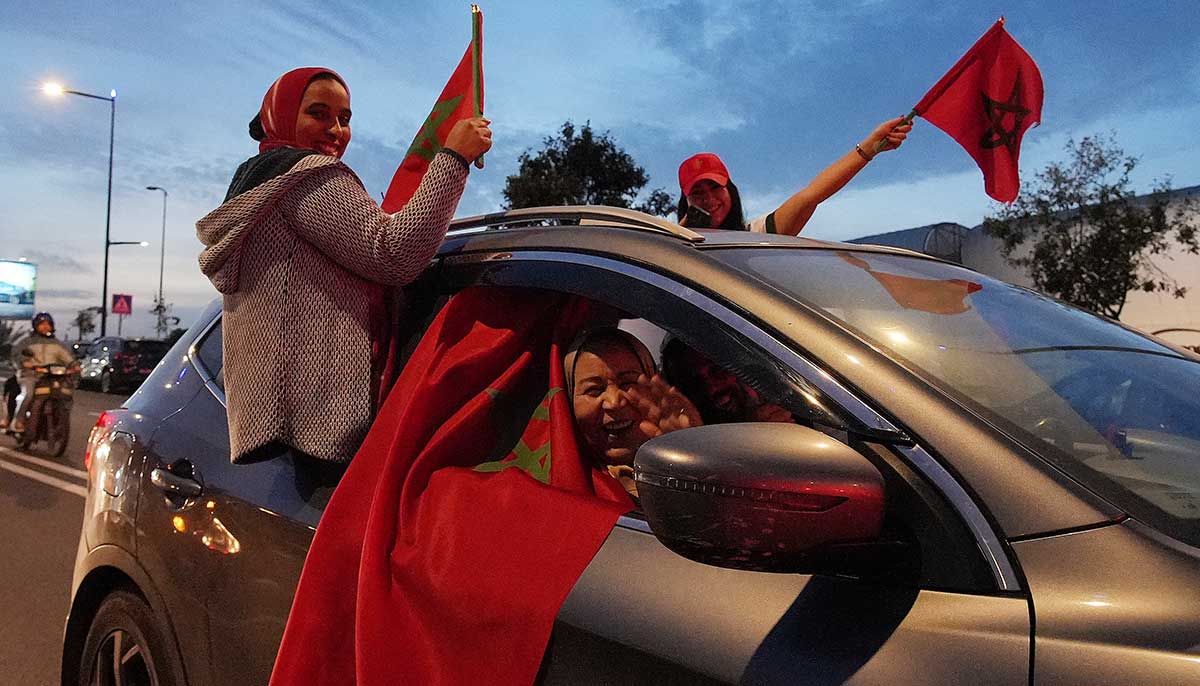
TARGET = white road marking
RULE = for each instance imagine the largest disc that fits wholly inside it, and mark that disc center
(60, 468)
(93, 414)
(44, 478)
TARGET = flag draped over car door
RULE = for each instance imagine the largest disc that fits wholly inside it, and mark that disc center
(462, 98)
(427, 569)
(986, 102)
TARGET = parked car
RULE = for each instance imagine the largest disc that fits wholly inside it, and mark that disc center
(80, 349)
(117, 364)
(1039, 469)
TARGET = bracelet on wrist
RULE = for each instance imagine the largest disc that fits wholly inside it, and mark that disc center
(455, 154)
(862, 153)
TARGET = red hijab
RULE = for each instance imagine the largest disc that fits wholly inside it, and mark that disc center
(281, 106)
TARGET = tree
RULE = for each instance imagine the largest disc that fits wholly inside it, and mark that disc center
(8, 335)
(1092, 241)
(581, 168)
(85, 321)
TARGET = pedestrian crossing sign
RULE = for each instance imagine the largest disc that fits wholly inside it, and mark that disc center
(122, 303)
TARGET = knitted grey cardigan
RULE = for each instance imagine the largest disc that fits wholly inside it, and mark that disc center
(302, 261)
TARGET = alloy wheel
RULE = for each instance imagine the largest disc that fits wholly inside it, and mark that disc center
(122, 660)
(125, 646)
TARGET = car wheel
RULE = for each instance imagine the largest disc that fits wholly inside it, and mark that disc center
(126, 646)
(105, 382)
(61, 426)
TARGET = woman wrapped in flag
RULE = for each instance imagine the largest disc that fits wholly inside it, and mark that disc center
(619, 400)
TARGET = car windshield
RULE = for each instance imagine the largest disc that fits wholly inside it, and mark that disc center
(147, 348)
(1115, 409)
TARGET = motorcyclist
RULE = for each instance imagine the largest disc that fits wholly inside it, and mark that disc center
(36, 351)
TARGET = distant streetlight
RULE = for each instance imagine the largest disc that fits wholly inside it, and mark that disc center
(56, 89)
(160, 306)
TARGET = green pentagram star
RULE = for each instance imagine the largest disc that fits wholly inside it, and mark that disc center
(426, 144)
(996, 110)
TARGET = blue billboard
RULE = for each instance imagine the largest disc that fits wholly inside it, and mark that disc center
(18, 281)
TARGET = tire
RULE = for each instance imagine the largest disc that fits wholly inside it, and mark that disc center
(60, 434)
(106, 381)
(125, 626)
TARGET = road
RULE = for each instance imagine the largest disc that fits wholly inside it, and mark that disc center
(41, 509)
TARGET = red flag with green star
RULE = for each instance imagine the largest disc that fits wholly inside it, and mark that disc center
(431, 564)
(462, 98)
(986, 102)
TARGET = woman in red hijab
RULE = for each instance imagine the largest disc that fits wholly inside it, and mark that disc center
(303, 256)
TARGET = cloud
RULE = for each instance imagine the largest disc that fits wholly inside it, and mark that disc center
(49, 260)
(67, 294)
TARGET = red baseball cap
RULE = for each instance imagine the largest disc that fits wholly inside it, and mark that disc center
(701, 166)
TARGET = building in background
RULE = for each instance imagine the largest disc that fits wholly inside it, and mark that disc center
(1174, 319)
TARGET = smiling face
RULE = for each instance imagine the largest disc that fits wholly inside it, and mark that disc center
(607, 420)
(719, 394)
(713, 198)
(323, 123)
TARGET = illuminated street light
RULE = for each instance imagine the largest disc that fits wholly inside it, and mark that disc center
(56, 89)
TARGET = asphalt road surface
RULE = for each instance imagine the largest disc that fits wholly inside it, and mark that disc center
(41, 509)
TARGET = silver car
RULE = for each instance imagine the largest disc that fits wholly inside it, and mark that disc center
(983, 485)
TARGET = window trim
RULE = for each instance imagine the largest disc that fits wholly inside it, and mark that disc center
(193, 354)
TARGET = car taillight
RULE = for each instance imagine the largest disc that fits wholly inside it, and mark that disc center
(124, 360)
(99, 433)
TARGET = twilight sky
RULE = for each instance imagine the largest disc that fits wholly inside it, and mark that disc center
(779, 90)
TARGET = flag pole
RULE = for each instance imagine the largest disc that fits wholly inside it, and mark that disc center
(882, 145)
(476, 67)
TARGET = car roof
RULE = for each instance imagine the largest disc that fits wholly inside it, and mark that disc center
(617, 231)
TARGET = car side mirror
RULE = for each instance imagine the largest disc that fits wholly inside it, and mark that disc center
(764, 496)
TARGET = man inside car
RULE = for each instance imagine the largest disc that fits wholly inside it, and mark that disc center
(720, 396)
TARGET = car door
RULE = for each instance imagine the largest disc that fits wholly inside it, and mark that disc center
(231, 553)
(253, 524)
(642, 614)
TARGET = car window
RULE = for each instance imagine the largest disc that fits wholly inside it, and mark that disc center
(1114, 408)
(653, 306)
(208, 350)
(148, 348)
(101, 347)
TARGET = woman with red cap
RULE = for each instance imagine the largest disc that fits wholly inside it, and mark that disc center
(302, 256)
(705, 185)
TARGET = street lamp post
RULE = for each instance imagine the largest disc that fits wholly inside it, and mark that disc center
(160, 307)
(56, 89)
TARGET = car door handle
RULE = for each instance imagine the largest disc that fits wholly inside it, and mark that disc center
(175, 484)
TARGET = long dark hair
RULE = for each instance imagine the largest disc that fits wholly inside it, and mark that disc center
(734, 221)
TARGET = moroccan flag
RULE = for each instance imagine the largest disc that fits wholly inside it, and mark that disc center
(986, 102)
(432, 565)
(462, 98)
